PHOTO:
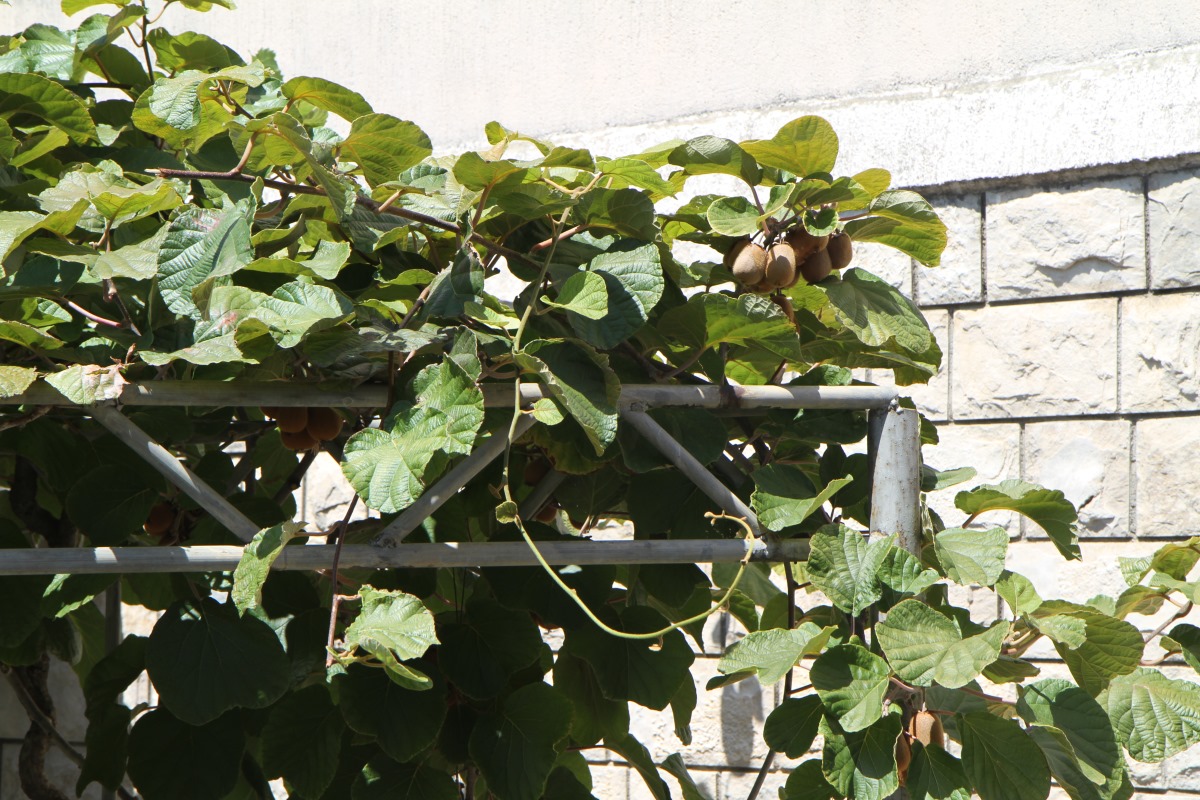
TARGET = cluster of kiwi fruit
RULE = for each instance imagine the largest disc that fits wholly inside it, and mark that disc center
(766, 262)
(302, 429)
(923, 727)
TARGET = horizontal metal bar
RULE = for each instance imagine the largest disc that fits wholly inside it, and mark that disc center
(222, 558)
(335, 395)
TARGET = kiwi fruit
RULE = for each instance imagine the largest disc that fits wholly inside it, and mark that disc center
(324, 424)
(840, 250)
(903, 757)
(804, 243)
(298, 441)
(781, 268)
(536, 468)
(817, 266)
(290, 420)
(748, 263)
(160, 519)
(927, 729)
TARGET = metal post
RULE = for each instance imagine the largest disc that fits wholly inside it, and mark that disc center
(448, 486)
(895, 446)
(175, 471)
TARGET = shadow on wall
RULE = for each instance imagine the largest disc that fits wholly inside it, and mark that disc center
(741, 719)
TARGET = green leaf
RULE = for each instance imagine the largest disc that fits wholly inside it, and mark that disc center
(646, 672)
(934, 774)
(903, 220)
(384, 779)
(1018, 592)
(110, 503)
(633, 279)
(584, 293)
(1082, 720)
(783, 495)
(733, 216)
(453, 289)
(1186, 638)
(710, 319)
(924, 646)
(26, 93)
(803, 146)
(1112, 647)
(480, 653)
(302, 739)
(1049, 508)
(844, 565)
(862, 765)
(120, 204)
(807, 782)
(970, 556)
(204, 660)
(15, 226)
(87, 384)
(903, 574)
(1064, 764)
(107, 742)
(771, 653)
(340, 191)
(851, 681)
(581, 380)
(200, 243)
(1069, 631)
(221, 350)
(675, 766)
(791, 728)
(626, 211)
(298, 307)
(595, 716)
(326, 262)
(15, 380)
(70, 7)
(171, 760)
(176, 100)
(876, 313)
(1000, 760)
(708, 155)
(515, 746)
(393, 626)
(390, 469)
(255, 564)
(1154, 716)
(636, 754)
(636, 173)
(384, 146)
(328, 96)
(402, 722)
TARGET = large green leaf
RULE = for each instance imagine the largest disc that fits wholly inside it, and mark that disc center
(934, 774)
(711, 319)
(302, 739)
(26, 93)
(1064, 763)
(970, 556)
(328, 96)
(862, 765)
(784, 496)
(176, 100)
(807, 782)
(393, 626)
(771, 653)
(390, 469)
(924, 646)
(384, 779)
(733, 216)
(791, 728)
(903, 574)
(581, 380)
(1111, 646)
(110, 503)
(515, 746)
(626, 211)
(633, 279)
(803, 146)
(1000, 759)
(255, 564)
(903, 220)
(88, 384)
(15, 380)
(1049, 508)
(20, 595)
(595, 716)
(201, 242)
(384, 146)
(584, 294)
(707, 155)
(298, 307)
(844, 564)
(1154, 716)
(851, 681)
(877, 313)
(171, 760)
(204, 660)
(16, 226)
(480, 653)
(403, 722)
(1081, 719)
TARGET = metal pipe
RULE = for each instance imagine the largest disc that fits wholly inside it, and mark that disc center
(458, 477)
(222, 558)
(174, 471)
(690, 466)
(896, 475)
(496, 395)
(532, 504)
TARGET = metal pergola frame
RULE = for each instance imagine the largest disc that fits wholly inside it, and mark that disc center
(893, 448)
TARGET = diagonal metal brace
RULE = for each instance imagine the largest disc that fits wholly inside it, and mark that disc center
(437, 495)
(690, 466)
(175, 471)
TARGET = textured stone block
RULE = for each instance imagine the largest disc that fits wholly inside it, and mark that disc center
(610, 781)
(737, 785)
(1098, 572)
(1033, 360)
(994, 450)
(1070, 240)
(1088, 460)
(1174, 208)
(1160, 353)
(1167, 462)
(886, 262)
(959, 278)
(325, 493)
(933, 398)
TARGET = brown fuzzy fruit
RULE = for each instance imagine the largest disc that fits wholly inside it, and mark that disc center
(840, 251)
(291, 420)
(324, 424)
(927, 729)
(804, 243)
(749, 264)
(903, 757)
(781, 268)
(817, 266)
(160, 519)
(298, 441)
(535, 470)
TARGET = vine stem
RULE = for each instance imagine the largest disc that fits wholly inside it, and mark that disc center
(1182, 612)
(335, 598)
